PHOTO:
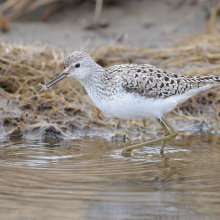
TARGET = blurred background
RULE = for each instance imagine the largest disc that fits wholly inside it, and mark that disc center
(73, 24)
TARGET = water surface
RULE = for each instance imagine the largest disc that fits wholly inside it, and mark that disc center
(88, 179)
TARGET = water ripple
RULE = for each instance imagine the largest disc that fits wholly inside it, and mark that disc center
(88, 179)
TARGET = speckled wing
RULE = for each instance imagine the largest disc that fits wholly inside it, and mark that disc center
(151, 82)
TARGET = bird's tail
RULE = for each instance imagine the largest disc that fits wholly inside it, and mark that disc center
(207, 80)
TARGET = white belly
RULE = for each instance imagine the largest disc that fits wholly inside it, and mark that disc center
(133, 107)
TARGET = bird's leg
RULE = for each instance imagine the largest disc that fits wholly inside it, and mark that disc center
(169, 135)
(163, 125)
(166, 133)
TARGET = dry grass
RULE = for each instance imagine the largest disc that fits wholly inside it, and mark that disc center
(22, 67)
(66, 103)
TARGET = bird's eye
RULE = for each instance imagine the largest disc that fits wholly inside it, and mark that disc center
(77, 65)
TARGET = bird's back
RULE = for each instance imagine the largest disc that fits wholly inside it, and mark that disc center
(152, 82)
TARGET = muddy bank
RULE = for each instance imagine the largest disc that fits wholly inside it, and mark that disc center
(68, 107)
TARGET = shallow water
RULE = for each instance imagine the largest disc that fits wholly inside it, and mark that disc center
(88, 179)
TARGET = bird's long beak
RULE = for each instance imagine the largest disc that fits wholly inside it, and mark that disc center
(52, 82)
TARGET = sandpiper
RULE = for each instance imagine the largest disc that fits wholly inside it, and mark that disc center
(131, 91)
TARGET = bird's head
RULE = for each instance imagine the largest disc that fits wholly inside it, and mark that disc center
(78, 65)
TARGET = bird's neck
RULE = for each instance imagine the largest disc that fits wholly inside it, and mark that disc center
(95, 85)
(95, 77)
